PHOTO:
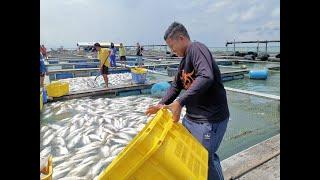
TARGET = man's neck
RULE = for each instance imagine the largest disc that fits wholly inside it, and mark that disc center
(188, 43)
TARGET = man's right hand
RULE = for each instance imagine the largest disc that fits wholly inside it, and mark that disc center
(153, 109)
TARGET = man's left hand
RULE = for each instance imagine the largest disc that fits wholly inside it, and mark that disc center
(175, 108)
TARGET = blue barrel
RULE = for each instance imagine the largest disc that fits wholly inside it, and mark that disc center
(160, 89)
(258, 74)
(139, 78)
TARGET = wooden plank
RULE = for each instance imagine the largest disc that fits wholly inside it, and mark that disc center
(244, 161)
(82, 69)
(103, 91)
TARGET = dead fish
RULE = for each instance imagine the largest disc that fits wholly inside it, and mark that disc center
(46, 151)
(95, 137)
(85, 139)
(114, 147)
(97, 168)
(47, 133)
(89, 147)
(73, 178)
(130, 131)
(81, 170)
(90, 158)
(74, 141)
(109, 160)
(124, 136)
(117, 151)
(105, 151)
(44, 128)
(61, 150)
(59, 141)
(58, 159)
(46, 141)
(57, 174)
(120, 141)
(62, 132)
(48, 115)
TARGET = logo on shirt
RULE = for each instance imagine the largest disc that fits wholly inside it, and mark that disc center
(186, 79)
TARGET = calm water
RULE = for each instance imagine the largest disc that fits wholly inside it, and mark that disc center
(270, 86)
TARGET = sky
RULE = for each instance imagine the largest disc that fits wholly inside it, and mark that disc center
(212, 22)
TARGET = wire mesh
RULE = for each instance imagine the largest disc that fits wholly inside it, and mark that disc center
(252, 120)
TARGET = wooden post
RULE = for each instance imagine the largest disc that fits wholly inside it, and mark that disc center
(165, 53)
(258, 49)
(266, 47)
(234, 47)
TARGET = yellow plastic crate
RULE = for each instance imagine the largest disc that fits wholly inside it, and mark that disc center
(57, 89)
(139, 70)
(41, 101)
(161, 150)
(50, 170)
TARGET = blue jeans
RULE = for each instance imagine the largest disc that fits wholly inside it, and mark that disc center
(113, 61)
(139, 60)
(210, 136)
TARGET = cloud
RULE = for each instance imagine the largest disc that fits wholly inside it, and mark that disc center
(252, 13)
(66, 22)
(217, 6)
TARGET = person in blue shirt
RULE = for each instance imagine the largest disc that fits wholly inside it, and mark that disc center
(43, 70)
(113, 55)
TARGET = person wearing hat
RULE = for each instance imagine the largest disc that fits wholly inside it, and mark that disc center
(104, 57)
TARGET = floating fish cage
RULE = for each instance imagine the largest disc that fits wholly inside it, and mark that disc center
(91, 132)
(72, 73)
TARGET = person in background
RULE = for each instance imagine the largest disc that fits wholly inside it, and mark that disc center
(207, 112)
(113, 55)
(103, 56)
(122, 54)
(44, 52)
(139, 54)
(43, 70)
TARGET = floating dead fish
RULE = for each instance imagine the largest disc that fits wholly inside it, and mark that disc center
(96, 134)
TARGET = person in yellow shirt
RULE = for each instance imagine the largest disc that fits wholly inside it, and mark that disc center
(103, 56)
(122, 54)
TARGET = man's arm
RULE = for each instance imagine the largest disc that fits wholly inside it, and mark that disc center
(204, 76)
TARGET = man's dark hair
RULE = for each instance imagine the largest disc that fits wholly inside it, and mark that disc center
(112, 45)
(97, 45)
(174, 30)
